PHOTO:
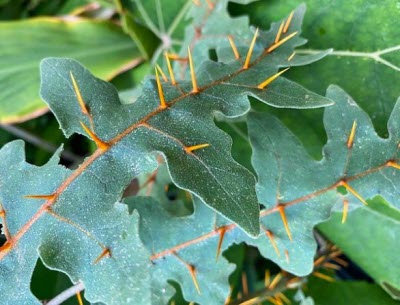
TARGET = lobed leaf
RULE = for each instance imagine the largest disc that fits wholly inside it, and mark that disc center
(175, 121)
(67, 236)
(306, 189)
(29, 41)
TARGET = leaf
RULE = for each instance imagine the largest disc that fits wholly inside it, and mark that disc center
(84, 40)
(370, 235)
(211, 275)
(67, 236)
(366, 57)
(147, 126)
(128, 138)
(347, 292)
(307, 189)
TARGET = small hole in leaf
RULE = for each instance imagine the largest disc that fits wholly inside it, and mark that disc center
(2, 236)
(172, 191)
(212, 54)
(341, 190)
(132, 189)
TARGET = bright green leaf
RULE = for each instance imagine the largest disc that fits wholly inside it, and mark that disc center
(370, 238)
(27, 42)
(347, 292)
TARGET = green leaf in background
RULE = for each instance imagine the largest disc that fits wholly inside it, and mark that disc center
(346, 293)
(289, 179)
(370, 238)
(99, 45)
(366, 57)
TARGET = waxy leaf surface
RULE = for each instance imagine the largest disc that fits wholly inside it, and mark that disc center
(308, 191)
(129, 138)
(67, 236)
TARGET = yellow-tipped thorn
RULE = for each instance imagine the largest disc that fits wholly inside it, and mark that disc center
(164, 77)
(2, 214)
(45, 197)
(393, 164)
(79, 297)
(350, 140)
(345, 210)
(250, 52)
(174, 56)
(278, 300)
(287, 23)
(278, 35)
(291, 56)
(284, 298)
(275, 281)
(287, 256)
(82, 104)
(267, 278)
(99, 143)
(192, 73)
(271, 79)
(319, 260)
(331, 266)
(190, 149)
(335, 253)
(163, 104)
(280, 42)
(233, 46)
(170, 70)
(271, 238)
(340, 261)
(323, 276)
(222, 232)
(105, 253)
(284, 220)
(192, 271)
(353, 191)
(271, 300)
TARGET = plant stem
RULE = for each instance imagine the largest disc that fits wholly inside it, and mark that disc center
(35, 140)
(66, 294)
